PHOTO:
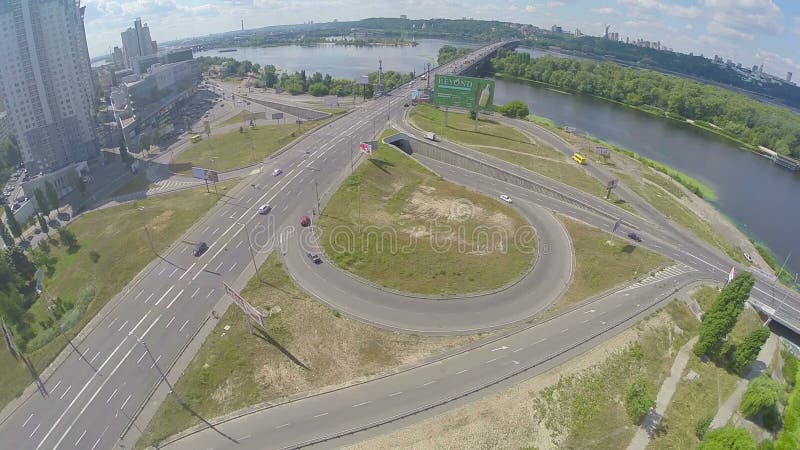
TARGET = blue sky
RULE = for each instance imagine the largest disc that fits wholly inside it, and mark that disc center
(747, 31)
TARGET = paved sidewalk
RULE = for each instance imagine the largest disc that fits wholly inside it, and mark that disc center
(732, 403)
(645, 432)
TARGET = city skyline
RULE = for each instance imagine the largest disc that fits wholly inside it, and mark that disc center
(752, 32)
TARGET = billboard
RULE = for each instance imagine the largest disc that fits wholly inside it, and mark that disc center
(251, 312)
(368, 147)
(463, 92)
(277, 116)
(205, 174)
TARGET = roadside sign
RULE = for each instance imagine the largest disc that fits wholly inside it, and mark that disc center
(277, 116)
(612, 183)
(732, 274)
(463, 92)
(205, 174)
(249, 310)
(616, 225)
(368, 147)
(602, 151)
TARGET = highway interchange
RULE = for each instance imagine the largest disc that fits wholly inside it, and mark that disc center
(89, 407)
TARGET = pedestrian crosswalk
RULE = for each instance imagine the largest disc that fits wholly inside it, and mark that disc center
(171, 185)
(661, 275)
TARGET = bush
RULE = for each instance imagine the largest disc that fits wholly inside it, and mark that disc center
(746, 353)
(701, 427)
(762, 394)
(94, 256)
(514, 108)
(639, 400)
(728, 438)
(789, 368)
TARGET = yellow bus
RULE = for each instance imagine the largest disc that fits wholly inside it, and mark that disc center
(580, 159)
(196, 138)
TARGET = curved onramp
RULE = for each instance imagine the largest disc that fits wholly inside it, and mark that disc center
(517, 302)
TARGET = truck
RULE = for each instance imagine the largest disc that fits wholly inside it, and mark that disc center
(430, 136)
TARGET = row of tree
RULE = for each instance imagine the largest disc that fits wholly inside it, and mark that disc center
(449, 53)
(735, 114)
(679, 63)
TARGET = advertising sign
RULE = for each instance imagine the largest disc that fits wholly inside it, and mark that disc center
(249, 310)
(277, 116)
(205, 174)
(463, 92)
(368, 147)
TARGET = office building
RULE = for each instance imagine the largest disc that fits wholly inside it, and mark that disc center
(118, 58)
(5, 125)
(136, 42)
(46, 83)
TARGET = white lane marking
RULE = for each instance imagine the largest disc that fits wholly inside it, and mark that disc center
(239, 244)
(162, 270)
(565, 330)
(245, 437)
(491, 360)
(199, 272)
(170, 322)
(187, 271)
(205, 229)
(584, 321)
(361, 404)
(34, 431)
(183, 326)
(176, 297)
(94, 357)
(55, 387)
(282, 426)
(462, 371)
(195, 292)
(320, 415)
(150, 297)
(589, 311)
(232, 267)
(173, 273)
(123, 325)
(65, 392)
(215, 230)
(165, 294)
(140, 358)
(140, 293)
(429, 383)
(113, 394)
(26, 420)
(139, 322)
(101, 437)
(210, 292)
(112, 322)
(500, 348)
(517, 350)
(218, 266)
(155, 362)
(515, 362)
(183, 249)
(125, 402)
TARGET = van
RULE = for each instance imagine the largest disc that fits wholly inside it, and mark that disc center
(196, 138)
(580, 159)
(430, 136)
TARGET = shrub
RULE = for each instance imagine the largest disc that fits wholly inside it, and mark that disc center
(762, 394)
(94, 256)
(747, 352)
(701, 427)
(728, 438)
(639, 400)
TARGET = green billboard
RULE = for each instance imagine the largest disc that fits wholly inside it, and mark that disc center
(463, 92)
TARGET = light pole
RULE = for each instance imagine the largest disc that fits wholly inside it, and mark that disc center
(69, 341)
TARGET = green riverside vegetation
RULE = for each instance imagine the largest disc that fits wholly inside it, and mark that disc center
(720, 319)
(730, 114)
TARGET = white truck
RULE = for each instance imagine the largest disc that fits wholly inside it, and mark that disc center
(430, 136)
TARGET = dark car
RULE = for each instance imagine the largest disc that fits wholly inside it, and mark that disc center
(405, 105)
(635, 237)
(305, 221)
(314, 258)
(200, 249)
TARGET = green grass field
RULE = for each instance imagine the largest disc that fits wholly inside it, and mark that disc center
(599, 266)
(415, 232)
(234, 369)
(117, 234)
(508, 144)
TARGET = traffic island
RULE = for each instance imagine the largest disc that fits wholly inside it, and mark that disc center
(396, 224)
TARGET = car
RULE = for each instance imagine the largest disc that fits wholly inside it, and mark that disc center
(276, 172)
(634, 237)
(748, 257)
(314, 258)
(405, 105)
(200, 248)
(305, 221)
(264, 209)
(505, 198)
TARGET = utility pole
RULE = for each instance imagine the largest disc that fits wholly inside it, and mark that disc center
(428, 76)
(316, 191)
(69, 341)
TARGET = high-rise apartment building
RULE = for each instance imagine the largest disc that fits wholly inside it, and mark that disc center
(46, 82)
(136, 42)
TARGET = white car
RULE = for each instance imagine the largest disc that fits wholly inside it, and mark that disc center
(264, 209)
(505, 198)
(748, 258)
(276, 172)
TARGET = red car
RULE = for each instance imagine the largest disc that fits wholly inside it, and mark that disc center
(305, 221)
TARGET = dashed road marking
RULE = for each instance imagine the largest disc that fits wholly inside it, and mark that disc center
(320, 415)
(361, 404)
(395, 394)
(26, 420)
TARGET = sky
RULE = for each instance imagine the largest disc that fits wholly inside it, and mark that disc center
(747, 31)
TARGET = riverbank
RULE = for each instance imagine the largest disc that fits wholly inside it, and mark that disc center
(653, 111)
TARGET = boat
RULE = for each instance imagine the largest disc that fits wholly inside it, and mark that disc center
(227, 50)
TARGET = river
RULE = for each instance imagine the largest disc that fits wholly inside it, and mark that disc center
(760, 197)
(342, 61)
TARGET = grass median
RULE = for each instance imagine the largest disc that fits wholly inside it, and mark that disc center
(397, 224)
(508, 144)
(117, 236)
(236, 149)
(304, 346)
(599, 266)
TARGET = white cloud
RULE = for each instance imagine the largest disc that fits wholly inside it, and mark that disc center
(657, 7)
(607, 11)
(796, 28)
(530, 8)
(743, 18)
(775, 63)
(555, 4)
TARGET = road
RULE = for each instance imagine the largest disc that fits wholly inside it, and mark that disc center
(89, 404)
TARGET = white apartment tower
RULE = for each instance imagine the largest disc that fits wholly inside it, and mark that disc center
(46, 82)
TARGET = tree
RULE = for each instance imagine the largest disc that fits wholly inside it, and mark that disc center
(514, 108)
(318, 89)
(7, 238)
(747, 352)
(52, 196)
(721, 317)
(41, 201)
(639, 400)
(123, 152)
(42, 259)
(728, 438)
(145, 141)
(21, 263)
(11, 221)
(43, 225)
(68, 238)
(762, 394)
